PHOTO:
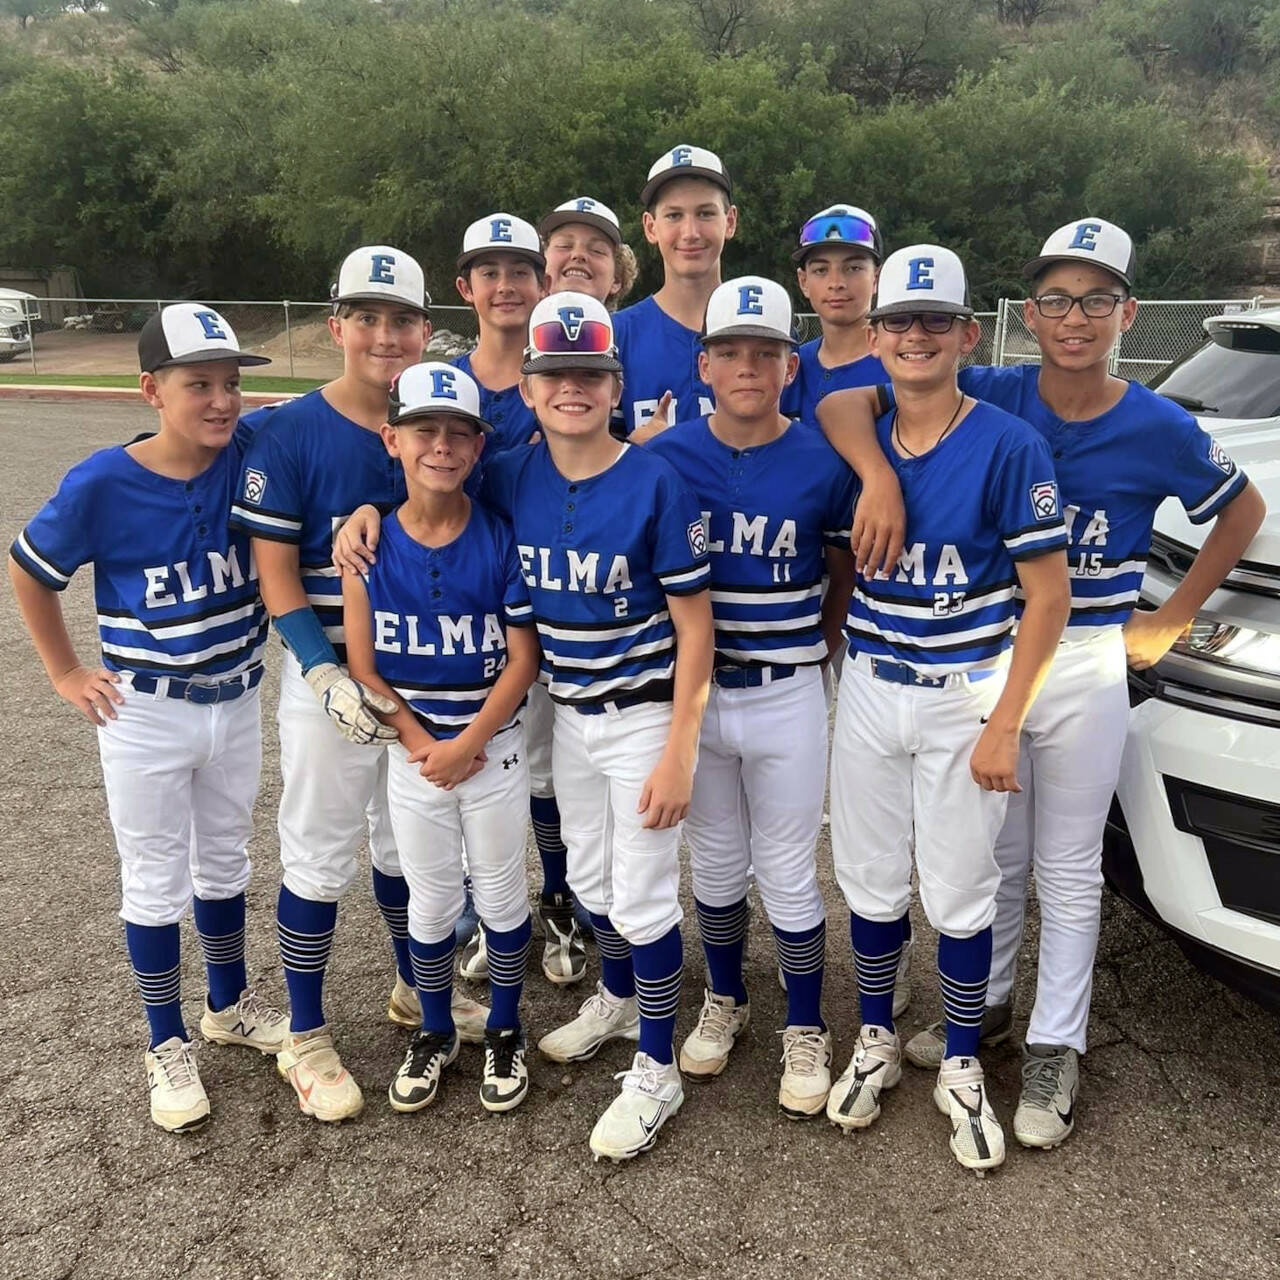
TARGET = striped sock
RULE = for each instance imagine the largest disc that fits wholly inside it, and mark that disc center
(877, 946)
(392, 896)
(508, 956)
(545, 814)
(153, 953)
(220, 924)
(724, 939)
(433, 976)
(615, 959)
(964, 965)
(659, 967)
(305, 929)
(802, 956)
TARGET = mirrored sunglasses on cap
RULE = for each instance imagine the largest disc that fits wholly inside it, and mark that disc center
(586, 345)
(843, 228)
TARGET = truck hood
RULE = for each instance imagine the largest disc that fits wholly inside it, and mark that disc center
(1255, 445)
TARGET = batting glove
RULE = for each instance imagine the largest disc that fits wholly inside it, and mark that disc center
(351, 706)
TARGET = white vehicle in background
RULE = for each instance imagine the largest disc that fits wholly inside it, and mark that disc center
(17, 311)
(1194, 837)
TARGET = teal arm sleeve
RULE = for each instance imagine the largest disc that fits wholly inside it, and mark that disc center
(302, 632)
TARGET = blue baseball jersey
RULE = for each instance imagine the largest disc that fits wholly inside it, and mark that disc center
(440, 615)
(175, 586)
(599, 557)
(769, 512)
(658, 355)
(1113, 472)
(308, 468)
(512, 420)
(982, 499)
(814, 380)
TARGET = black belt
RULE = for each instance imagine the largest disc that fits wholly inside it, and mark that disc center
(202, 694)
(614, 704)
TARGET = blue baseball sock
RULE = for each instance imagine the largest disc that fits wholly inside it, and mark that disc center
(659, 967)
(305, 929)
(877, 946)
(724, 939)
(545, 814)
(802, 956)
(615, 959)
(220, 924)
(508, 955)
(392, 896)
(433, 976)
(153, 953)
(964, 965)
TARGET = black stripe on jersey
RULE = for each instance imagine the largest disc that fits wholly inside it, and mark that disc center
(254, 510)
(1036, 526)
(1225, 485)
(749, 639)
(654, 618)
(877, 592)
(37, 571)
(654, 691)
(189, 671)
(884, 400)
(691, 590)
(990, 645)
(1115, 607)
(481, 687)
(768, 589)
(562, 665)
(44, 555)
(291, 536)
(223, 606)
(330, 612)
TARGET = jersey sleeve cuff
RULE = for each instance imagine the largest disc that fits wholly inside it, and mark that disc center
(687, 581)
(41, 567)
(276, 526)
(1212, 503)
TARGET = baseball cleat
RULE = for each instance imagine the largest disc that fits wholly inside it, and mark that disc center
(404, 1008)
(465, 925)
(250, 1022)
(977, 1140)
(474, 965)
(601, 1017)
(322, 1084)
(506, 1077)
(806, 1072)
(902, 982)
(469, 1016)
(178, 1100)
(927, 1048)
(564, 954)
(876, 1065)
(706, 1049)
(651, 1094)
(1047, 1106)
(418, 1080)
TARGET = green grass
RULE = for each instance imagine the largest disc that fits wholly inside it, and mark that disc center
(131, 381)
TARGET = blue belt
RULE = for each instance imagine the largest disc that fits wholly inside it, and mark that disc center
(900, 673)
(732, 676)
(198, 693)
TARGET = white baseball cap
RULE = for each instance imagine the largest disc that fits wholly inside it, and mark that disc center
(189, 333)
(749, 307)
(1089, 240)
(430, 388)
(380, 273)
(684, 161)
(844, 224)
(501, 233)
(570, 331)
(583, 209)
(919, 278)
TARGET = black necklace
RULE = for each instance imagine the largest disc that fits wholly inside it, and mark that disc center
(897, 435)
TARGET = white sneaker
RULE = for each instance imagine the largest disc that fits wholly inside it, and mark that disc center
(806, 1072)
(178, 1099)
(927, 1048)
(705, 1052)
(601, 1017)
(506, 1075)
(902, 982)
(977, 1140)
(324, 1087)
(251, 1022)
(469, 1016)
(651, 1094)
(418, 1080)
(474, 965)
(1047, 1106)
(876, 1065)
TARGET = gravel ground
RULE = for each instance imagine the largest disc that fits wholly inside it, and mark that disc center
(1173, 1171)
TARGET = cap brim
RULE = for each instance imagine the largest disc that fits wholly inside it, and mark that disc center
(655, 184)
(557, 363)
(749, 331)
(805, 250)
(920, 308)
(488, 250)
(388, 299)
(565, 217)
(1036, 265)
(408, 415)
(242, 358)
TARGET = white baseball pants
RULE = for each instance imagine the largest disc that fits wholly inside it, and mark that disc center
(617, 867)
(539, 718)
(757, 798)
(181, 780)
(490, 811)
(1070, 760)
(900, 775)
(332, 789)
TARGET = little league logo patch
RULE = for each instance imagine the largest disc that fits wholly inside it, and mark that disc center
(1221, 458)
(698, 538)
(255, 485)
(1044, 499)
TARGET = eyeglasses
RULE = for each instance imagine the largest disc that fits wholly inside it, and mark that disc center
(930, 321)
(839, 229)
(1097, 306)
(580, 338)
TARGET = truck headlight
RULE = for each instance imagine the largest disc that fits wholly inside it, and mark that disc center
(1230, 646)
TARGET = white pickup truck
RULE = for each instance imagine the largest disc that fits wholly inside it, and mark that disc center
(1194, 838)
(17, 310)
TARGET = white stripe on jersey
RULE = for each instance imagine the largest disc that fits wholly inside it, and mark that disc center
(776, 626)
(747, 596)
(942, 640)
(56, 574)
(799, 656)
(171, 630)
(674, 580)
(1099, 602)
(1107, 571)
(602, 690)
(924, 608)
(124, 653)
(252, 516)
(1045, 534)
(1215, 496)
(568, 662)
(582, 635)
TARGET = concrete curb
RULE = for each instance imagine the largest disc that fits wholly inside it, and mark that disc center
(125, 395)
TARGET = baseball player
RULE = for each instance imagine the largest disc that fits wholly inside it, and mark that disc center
(441, 627)
(312, 462)
(175, 700)
(776, 502)
(1119, 450)
(931, 704)
(614, 554)
(582, 242)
